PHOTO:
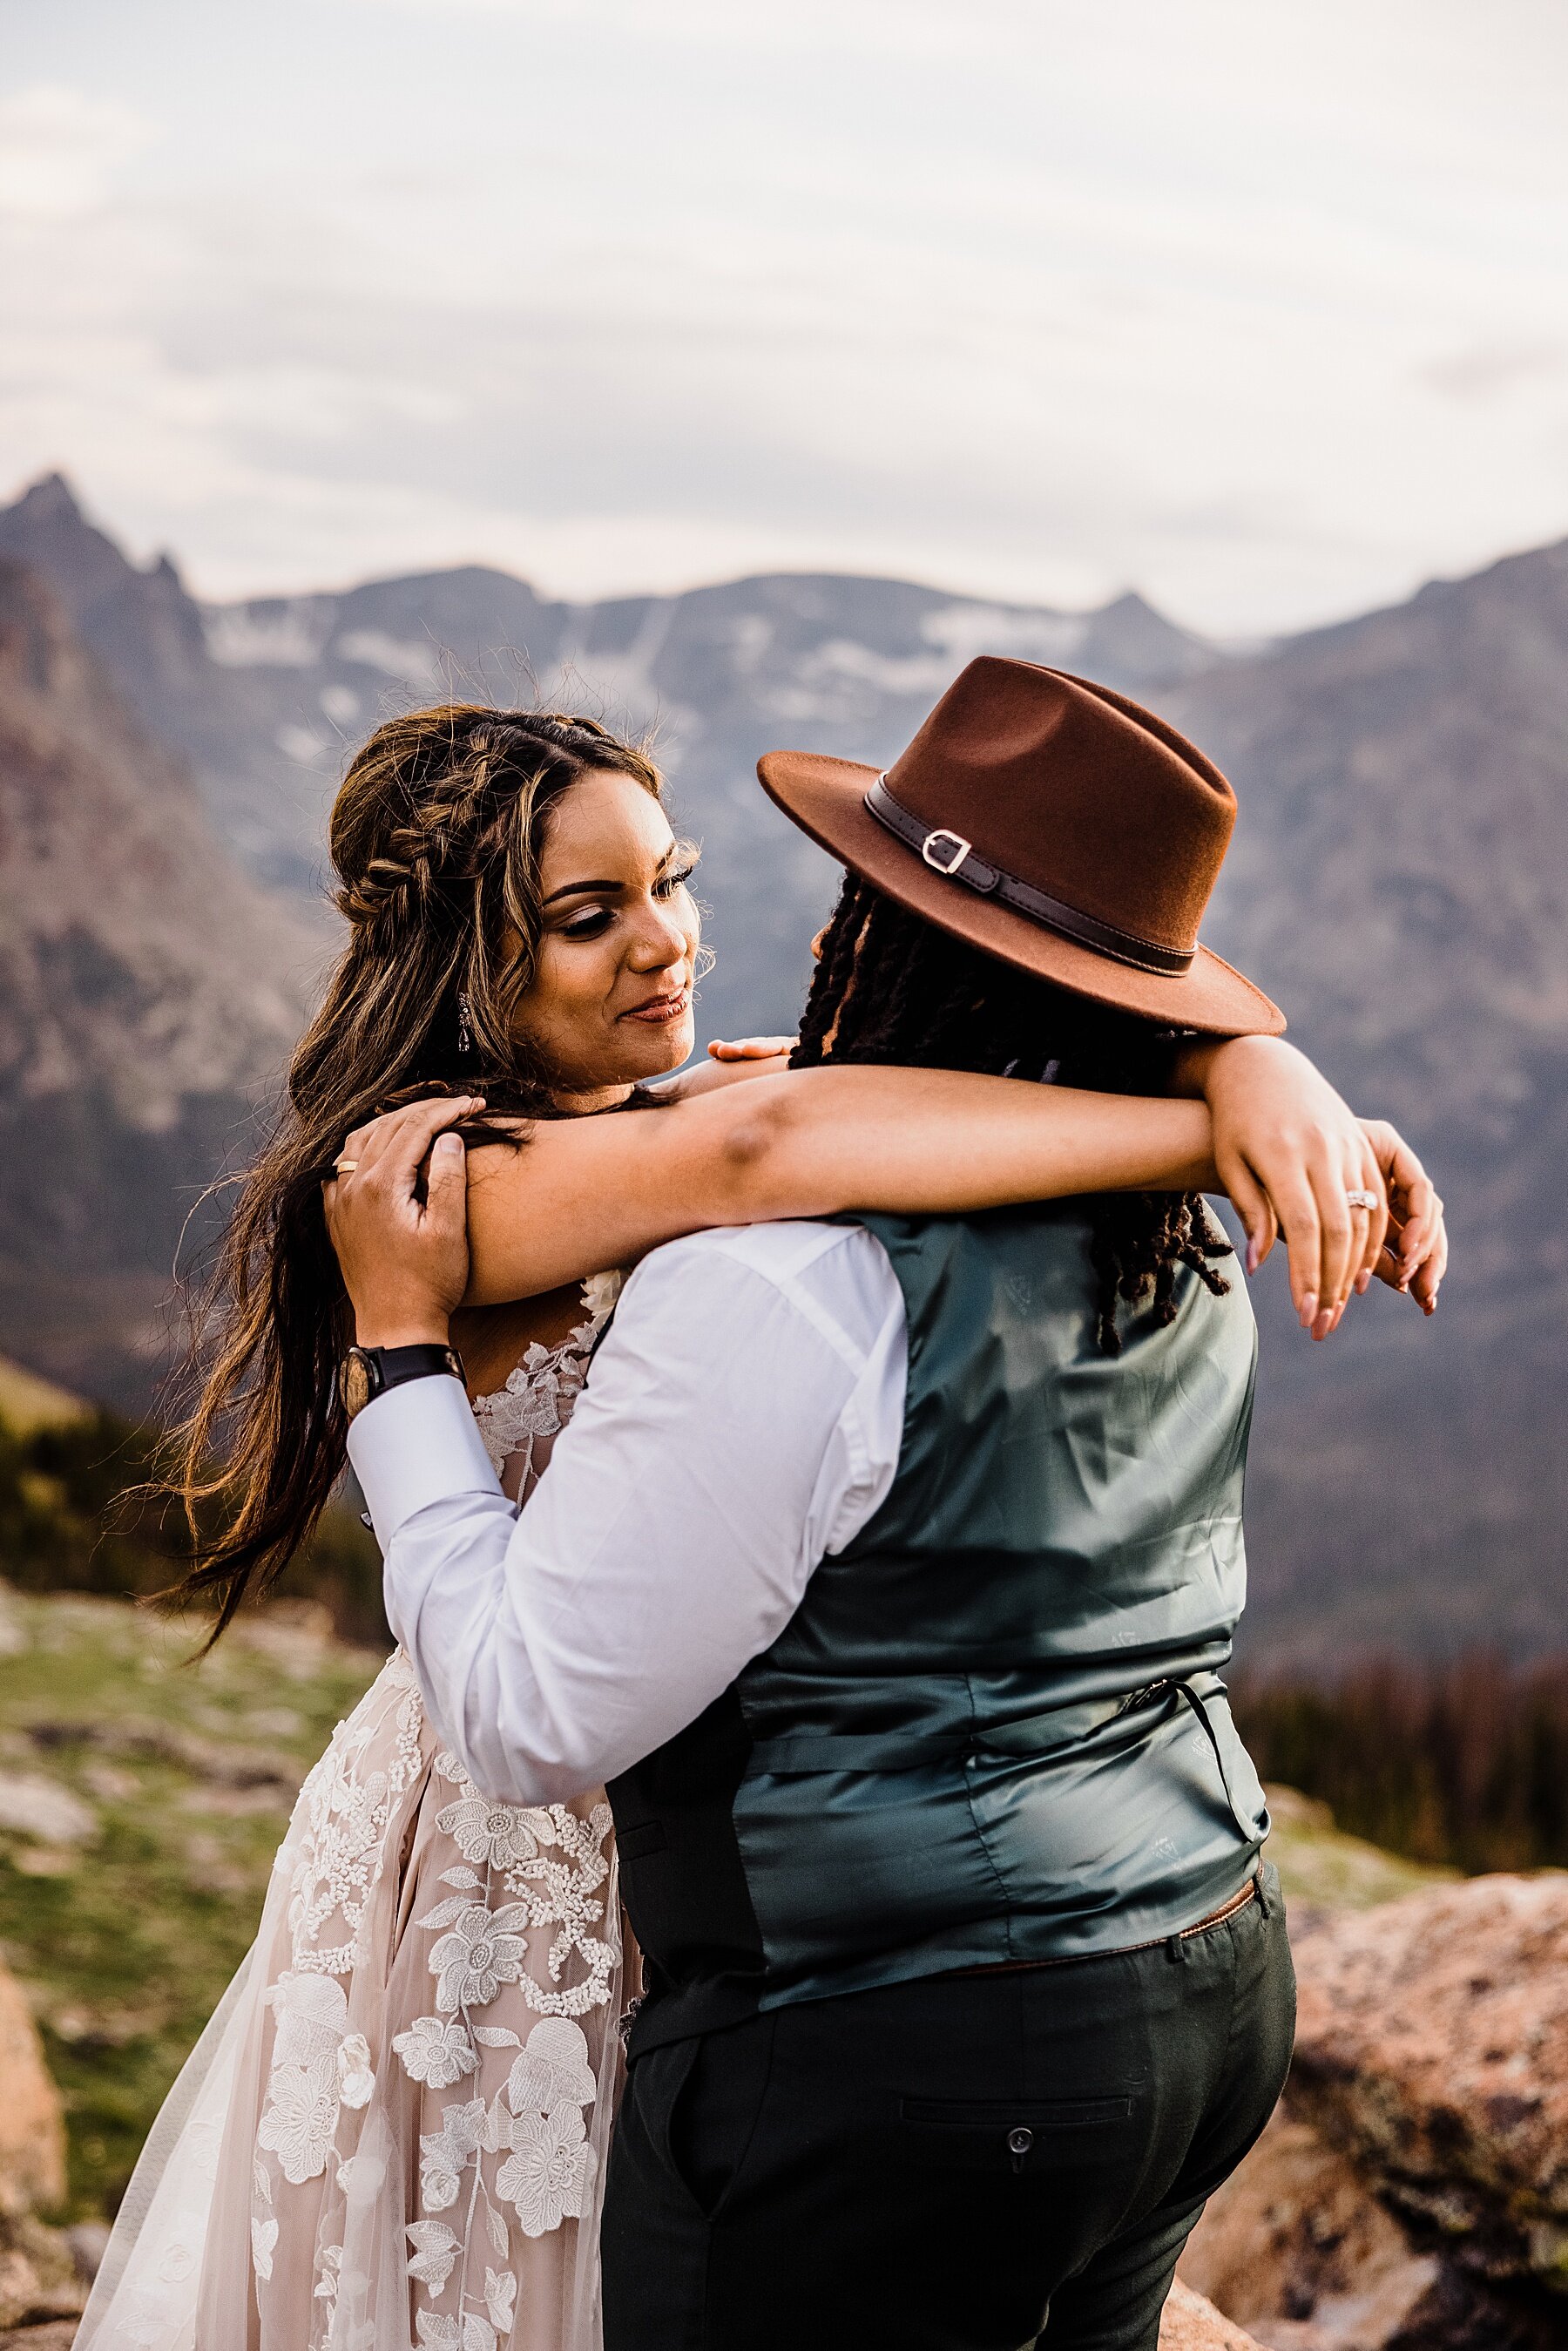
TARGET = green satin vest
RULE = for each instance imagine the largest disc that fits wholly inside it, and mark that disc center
(994, 1729)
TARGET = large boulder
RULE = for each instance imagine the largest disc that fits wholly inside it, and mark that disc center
(1432, 2046)
(32, 2125)
(1297, 2247)
(40, 2278)
(1190, 2323)
(1412, 2194)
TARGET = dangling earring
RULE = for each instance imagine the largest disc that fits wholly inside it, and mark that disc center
(464, 1029)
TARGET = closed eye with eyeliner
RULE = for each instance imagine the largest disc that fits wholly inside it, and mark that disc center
(618, 947)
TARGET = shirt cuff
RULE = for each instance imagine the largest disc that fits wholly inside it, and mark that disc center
(416, 1445)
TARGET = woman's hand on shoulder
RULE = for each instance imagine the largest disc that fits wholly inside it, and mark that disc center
(1293, 1157)
(729, 1059)
(752, 1049)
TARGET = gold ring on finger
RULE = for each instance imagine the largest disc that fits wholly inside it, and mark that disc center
(344, 1166)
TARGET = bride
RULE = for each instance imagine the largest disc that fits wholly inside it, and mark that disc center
(391, 2137)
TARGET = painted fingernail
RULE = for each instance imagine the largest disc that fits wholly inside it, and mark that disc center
(1252, 1258)
(1309, 1309)
(1363, 1283)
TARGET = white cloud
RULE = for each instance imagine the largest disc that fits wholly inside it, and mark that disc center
(1222, 302)
(59, 150)
(1487, 371)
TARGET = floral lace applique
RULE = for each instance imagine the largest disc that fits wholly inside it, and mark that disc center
(481, 1949)
(537, 1399)
(317, 2066)
(522, 2156)
(343, 1852)
(536, 2122)
(517, 2153)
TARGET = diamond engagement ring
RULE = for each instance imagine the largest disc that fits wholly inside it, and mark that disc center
(1361, 1199)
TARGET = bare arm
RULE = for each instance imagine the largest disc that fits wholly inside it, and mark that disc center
(584, 1193)
(1289, 1153)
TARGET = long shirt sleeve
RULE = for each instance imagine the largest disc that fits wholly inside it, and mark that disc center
(742, 1419)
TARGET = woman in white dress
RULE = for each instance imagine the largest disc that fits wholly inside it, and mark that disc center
(392, 2135)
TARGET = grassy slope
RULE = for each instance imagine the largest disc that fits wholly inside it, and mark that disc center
(1322, 1868)
(28, 1402)
(127, 1937)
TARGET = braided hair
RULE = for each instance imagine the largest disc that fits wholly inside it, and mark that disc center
(436, 838)
(890, 987)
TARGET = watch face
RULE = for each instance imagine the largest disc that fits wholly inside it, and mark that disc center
(353, 1383)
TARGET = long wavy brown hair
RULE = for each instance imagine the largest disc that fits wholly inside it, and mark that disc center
(436, 838)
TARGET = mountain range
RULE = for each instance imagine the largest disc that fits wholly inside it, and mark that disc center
(1397, 881)
(149, 993)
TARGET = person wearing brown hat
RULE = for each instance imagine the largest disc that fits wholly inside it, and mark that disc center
(969, 1981)
(885, 1574)
(1055, 825)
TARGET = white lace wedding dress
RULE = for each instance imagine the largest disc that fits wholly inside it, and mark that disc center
(392, 2135)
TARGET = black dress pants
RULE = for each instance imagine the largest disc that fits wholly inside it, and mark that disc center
(964, 2163)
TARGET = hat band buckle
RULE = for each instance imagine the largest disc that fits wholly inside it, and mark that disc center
(961, 850)
(959, 862)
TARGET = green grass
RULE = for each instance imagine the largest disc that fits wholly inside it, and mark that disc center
(126, 1939)
(1322, 1868)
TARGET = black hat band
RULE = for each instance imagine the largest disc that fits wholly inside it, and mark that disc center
(948, 853)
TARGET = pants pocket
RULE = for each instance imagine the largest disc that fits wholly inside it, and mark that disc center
(1019, 2136)
(714, 2105)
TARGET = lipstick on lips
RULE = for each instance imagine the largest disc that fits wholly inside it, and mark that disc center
(656, 1010)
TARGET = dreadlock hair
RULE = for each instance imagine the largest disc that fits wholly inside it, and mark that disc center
(436, 838)
(891, 987)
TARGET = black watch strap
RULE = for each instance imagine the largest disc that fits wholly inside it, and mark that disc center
(368, 1372)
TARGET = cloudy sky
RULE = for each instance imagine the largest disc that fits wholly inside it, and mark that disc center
(1261, 308)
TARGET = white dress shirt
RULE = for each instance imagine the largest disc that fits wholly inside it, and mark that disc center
(742, 1419)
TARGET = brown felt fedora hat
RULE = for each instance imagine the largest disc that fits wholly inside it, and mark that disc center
(1055, 824)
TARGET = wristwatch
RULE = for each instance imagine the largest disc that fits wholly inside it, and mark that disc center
(366, 1372)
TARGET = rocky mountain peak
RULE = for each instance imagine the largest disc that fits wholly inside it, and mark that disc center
(149, 996)
(108, 854)
(46, 531)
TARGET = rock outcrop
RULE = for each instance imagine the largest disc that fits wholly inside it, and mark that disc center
(32, 2127)
(1413, 2193)
(40, 2278)
(1433, 2044)
(1190, 2323)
